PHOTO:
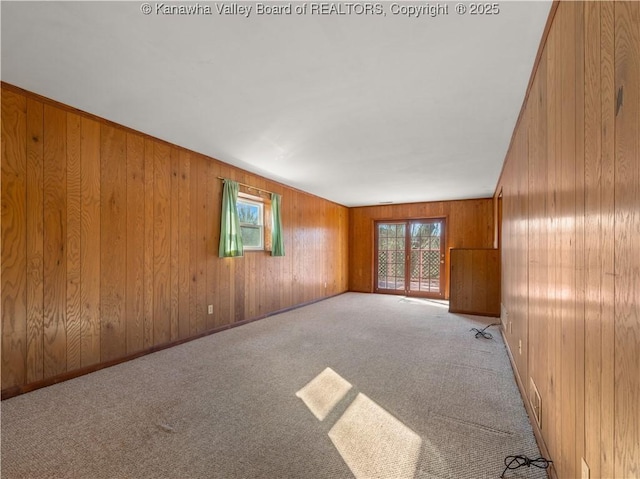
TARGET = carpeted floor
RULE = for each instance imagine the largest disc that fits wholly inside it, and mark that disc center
(355, 386)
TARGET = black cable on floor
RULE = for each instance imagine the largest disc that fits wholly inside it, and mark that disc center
(514, 462)
(480, 333)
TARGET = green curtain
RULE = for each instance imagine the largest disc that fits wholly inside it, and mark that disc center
(277, 242)
(230, 234)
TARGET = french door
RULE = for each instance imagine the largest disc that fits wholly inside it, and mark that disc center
(410, 257)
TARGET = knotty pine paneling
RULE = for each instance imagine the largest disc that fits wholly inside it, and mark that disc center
(110, 244)
(570, 284)
(469, 225)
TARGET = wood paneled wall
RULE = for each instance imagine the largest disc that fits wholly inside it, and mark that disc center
(469, 225)
(475, 281)
(110, 244)
(571, 239)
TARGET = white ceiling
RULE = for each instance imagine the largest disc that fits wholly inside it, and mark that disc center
(357, 109)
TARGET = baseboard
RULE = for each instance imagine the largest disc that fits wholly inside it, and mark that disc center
(525, 399)
(18, 390)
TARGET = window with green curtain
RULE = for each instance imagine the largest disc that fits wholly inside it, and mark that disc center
(230, 233)
(277, 241)
(251, 215)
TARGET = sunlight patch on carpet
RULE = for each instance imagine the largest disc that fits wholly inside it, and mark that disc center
(440, 303)
(373, 443)
(323, 392)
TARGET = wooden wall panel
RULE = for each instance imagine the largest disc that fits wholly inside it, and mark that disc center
(627, 240)
(90, 243)
(593, 235)
(536, 262)
(113, 246)
(299, 237)
(55, 236)
(161, 243)
(193, 248)
(550, 387)
(469, 225)
(568, 219)
(211, 235)
(200, 249)
(516, 234)
(14, 235)
(580, 293)
(149, 257)
(174, 243)
(35, 242)
(134, 293)
(110, 244)
(607, 235)
(580, 252)
(521, 255)
(206, 247)
(238, 271)
(74, 206)
(184, 243)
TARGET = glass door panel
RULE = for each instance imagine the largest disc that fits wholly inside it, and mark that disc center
(410, 257)
(427, 257)
(391, 246)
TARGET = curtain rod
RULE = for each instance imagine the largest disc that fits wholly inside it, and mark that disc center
(248, 186)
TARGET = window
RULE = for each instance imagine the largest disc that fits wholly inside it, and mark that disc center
(251, 215)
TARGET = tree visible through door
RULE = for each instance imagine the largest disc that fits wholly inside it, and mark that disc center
(410, 257)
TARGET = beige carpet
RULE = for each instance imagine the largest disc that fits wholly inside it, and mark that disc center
(355, 386)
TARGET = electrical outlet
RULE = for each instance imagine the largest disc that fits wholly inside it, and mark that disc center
(520, 346)
(325, 285)
(585, 469)
(210, 309)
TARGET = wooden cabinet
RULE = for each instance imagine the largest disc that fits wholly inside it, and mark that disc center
(475, 281)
